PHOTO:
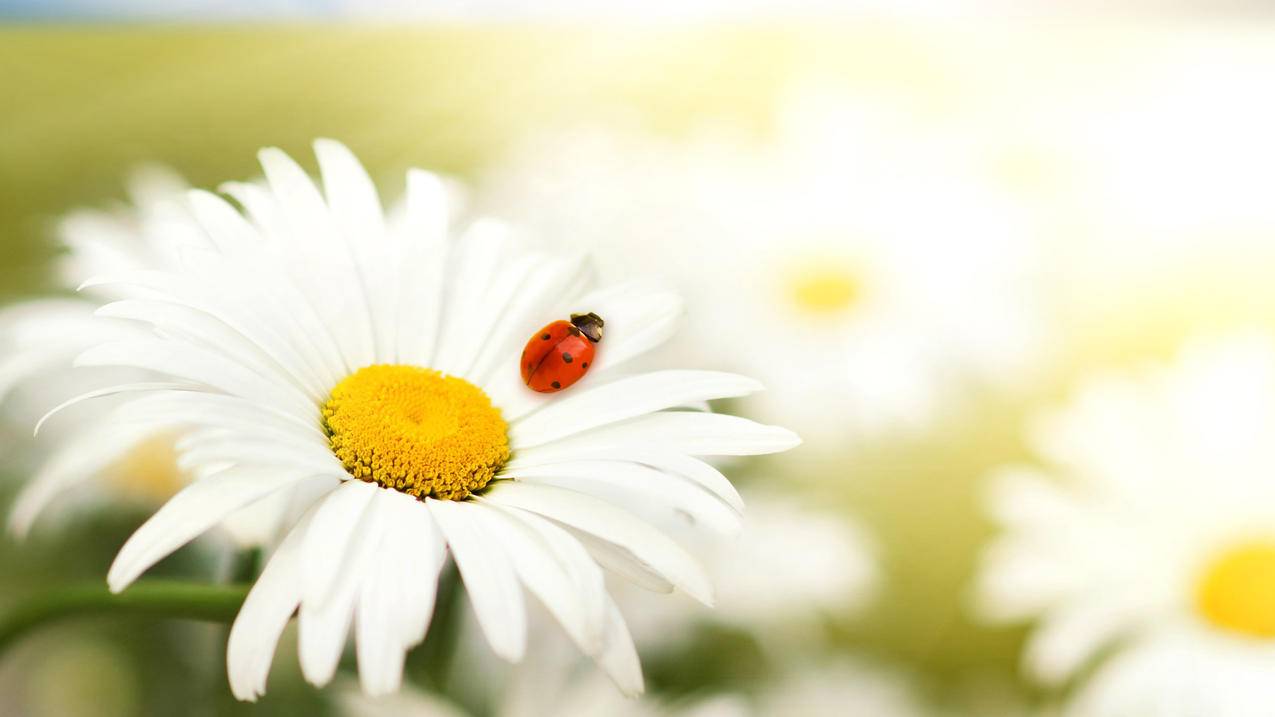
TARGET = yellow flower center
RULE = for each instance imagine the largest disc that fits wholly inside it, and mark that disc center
(416, 431)
(149, 471)
(824, 289)
(1237, 591)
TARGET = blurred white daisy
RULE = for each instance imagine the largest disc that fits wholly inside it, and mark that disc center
(1152, 531)
(95, 456)
(371, 372)
(854, 265)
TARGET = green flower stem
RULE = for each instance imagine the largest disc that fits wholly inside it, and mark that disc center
(153, 598)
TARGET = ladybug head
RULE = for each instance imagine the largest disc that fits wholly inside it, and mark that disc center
(590, 325)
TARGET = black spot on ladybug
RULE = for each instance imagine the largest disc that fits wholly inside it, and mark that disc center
(584, 365)
(544, 337)
(555, 384)
(566, 357)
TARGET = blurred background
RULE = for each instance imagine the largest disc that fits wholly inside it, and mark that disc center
(919, 226)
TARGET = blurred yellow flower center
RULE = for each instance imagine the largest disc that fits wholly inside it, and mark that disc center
(1237, 591)
(826, 289)
(149, 471)
(415, 430)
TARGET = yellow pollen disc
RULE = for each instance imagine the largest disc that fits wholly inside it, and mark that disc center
(825, 289)
(1237, 591)
(416, 431)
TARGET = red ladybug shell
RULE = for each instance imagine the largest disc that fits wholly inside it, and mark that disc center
(556, 357)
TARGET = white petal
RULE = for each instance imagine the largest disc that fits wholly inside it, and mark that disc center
(198, 507)
(396, 599)
(612, 524)
(110, 391)
(638, 318)
(80, 459)
(332, 529)
(357, 210)
(1022, 496)
(311, 231)
(490, 581)
(1071, 635)
(226, 227)
(325, 622)
(559, 573)
(424, 248)
(350, 192)
(265, 613)
(259, 449)
(189, 362)
(263, 523)
(701, 434)
(255, 297)
(622, 399)
(690, 468)
(495, 306)
(619, 658)
(480, 257)
(540, 299)
(620, 561)
(217, 410)
(378, 648)
(260, 351)
(622, 483)
(259, 204)
(418, 567)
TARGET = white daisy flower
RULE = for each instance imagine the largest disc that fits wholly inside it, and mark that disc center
(95, 455)
(371, 372)
(1156, 530)
(855, 265)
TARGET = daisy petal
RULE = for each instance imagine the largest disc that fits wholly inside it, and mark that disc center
(561, 585)
(623, 399)
(700, 434)
(612, 524)
(620, 561)
(425, 247)
(622, 483)
(110, 391)
(265, 613)
(619, 658)
(226, 227)
(686, 466)
(311, 232)
(325, 623)
(638, 318)
(489, 579)
(185, 361)
(78, 460)
(357, 211)
(198, 507)
(418, 568)
(475, 271)
(537, 304)
(333, 527)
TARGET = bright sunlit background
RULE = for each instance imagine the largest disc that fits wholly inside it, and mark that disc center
(927, 237)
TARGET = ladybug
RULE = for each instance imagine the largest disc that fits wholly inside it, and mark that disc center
(559, 354)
